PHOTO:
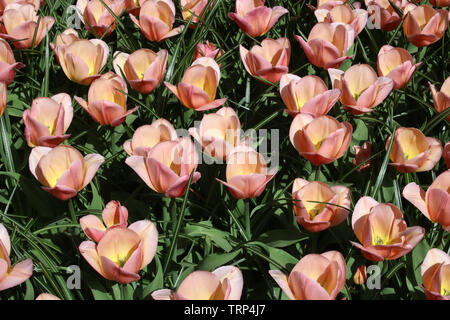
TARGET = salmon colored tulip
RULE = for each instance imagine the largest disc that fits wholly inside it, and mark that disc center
(383, 15)
(197, 89)
(224, 283)
(362, 90)
(320, 140)
(343, 13)
(8, 64)
(441, 99)
(156, 19)
(382, 231)
(48, 120)
(315, 216)
(134, 6)
(362, 153)
(440, 3)
(247, 173)
(148, 136)
(435, 272)
(96, 17)
(218, 133)
(3, 98)
(360, 275)
(166, 168)
(268, 61)
(424, 25)
(307, 95)
(254, 18)
(207, 49)
(21, 25)
(46, 296)
(435, 203)
(327, 44)
(114, 215)
(413, 152)
(330, 4)
(143, 69)
(122, 252)
(107, 102)
(5, 3)
(314, 277)
(62, 170)
(447, 154)
(193, 8)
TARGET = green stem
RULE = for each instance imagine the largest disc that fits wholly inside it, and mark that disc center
(317, 173)
(247, 219)
(72, 212)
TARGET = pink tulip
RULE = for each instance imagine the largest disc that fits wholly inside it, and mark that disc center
(327, 44)
(11, 276)
(46, 296)
(143, 69)
(107, 100)
(435, 203)
(314, 277)
(362, 153)
(435, 272)
(320, 140)
(224, 283)
(197, 89)
(315, 216)
(362, 90)
(254, 18)
(5, 3)
(330, 4)
(343, 13)
(134, 6)
(440, 3)
(447, 154)
(8, 64)
(122, 252)
(194, 9)
(166, 168)
(383, 15)
(62, 170)
(207, 49)
(96, 17)
(382, 231)
(148, 136)
(307, 95)
(413, 152)
(441, 99)
(268, 61)
(3, 90)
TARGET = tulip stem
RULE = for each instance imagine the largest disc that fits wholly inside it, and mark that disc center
(247, 219)
(317, 173)
(72, 212)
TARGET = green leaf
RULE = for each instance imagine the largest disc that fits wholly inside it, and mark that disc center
(220, 238)
(280, 238)
(213, 261)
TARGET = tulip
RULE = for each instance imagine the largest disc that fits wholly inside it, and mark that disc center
(447, 154)
(255, 19)
(435, 203)
(362, 153)
(382, 231)
(47, 296)
(3, 91)
(360, 275)
(156, 19)
(11, 276)
(148, 136)
(423, 25)
(194, 9)
(197, 89)
(361, 89)
(315, 216)
(62, 170)
(207, 49)
(330, 4)
(21, 25)
(143, 69)
(435, 272)
(314, 277)
(134, 6)
(247, 173)
(122, 252)
(307, 95)
(167, 167)
(8, 64)
(224, 283)
(268, 61)
(107, 102)
(114, 215)
(320, 140)
(48, 120)
(413, 152)
(382, 14)
(97, 18)
(441, 99)
(5, 3)
(440, 3)
(343, 13)
(218, 133)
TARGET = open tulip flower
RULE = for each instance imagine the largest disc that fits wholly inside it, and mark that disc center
(122, 252)
(143, 69)
(224, 283)
(11, 276)
(268, 61)
(435, 203)
(3, 98)
(330, 4)
(362, 153)
(413, 152)
(48, 120)
(362, 90)
(134, 6)
(194, 9)
(62, 170)
(320, 140)
(315, 216)
(424, 25)
(197, 89)
(156, 18)
(314, 277)
(5, 3)
(441, 99)
(207, 49)
(382, 231)
(218, 133)
(383, 15)
(435, 272)
(97, 18)
(8, 64)
(107, 102)
(307, 95)
(114, 215)
(440, 3)
(20, 25)
(343, 13)
(254, 18)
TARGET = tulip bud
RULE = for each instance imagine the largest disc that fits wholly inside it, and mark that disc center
(207, 49)
(441, 99)
(8, 64)
(362, 153)
(360, 275)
